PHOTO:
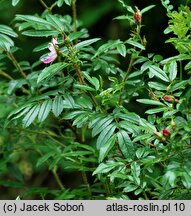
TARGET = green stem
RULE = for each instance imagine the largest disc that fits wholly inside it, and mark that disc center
(82, 81)
(11, 78)
(180, 71)
(85, 179)
(59, 182)
(6, 75)
(110, 191)
(16, 64)
(120, 101)
(45, 5)
(74, 15)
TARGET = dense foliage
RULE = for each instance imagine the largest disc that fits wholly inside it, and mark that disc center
(95, 119)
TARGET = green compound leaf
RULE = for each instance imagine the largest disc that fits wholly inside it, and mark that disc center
(105, 149)
(31, 115)
(57, 105)
(50, 71)
(45, 108)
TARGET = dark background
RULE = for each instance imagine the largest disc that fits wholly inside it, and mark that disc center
(98, 16)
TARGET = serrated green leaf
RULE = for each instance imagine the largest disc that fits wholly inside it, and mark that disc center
(86, 43)
(44, 159)
(141, 153)
(15, 2)
(122, 17)
(84, 102)
(136, 171)
(105, 135)
(60, 2)
(130, 187)
(135, 44)
(94, 121)
(146, 125)
(106, 167)
(159, 73)
(156, 110)
(125, 144)
(55, 22)
(31, 115)
(81, 120)
(40, 47)
(150, 102)
(33, 19)
(57, 105)
(147, 8)
(44, 110)
(75, 35)
(68, 2)
(50, 71)
(138, 191)
(178, 85)
(7, 30)
(69, 101)
(188, 66)
(101, 125)
(105, 148)
(25, 110)
(72, 115)
(84, 87)
(157, 86)
(93, 80)
(6, 42)
(142, 137)
(121, 48)
(173, 70)
(105, 47)
(40, 33)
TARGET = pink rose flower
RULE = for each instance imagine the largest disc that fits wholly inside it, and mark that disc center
(53, 54)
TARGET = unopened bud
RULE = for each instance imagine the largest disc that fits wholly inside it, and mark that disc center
(168, 98)
(158, 134)
(166, 132)
(137, 15)
(173, 124)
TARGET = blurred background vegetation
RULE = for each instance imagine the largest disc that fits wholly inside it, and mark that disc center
(97, 16)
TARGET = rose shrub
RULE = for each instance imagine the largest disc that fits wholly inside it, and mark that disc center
(68, 113)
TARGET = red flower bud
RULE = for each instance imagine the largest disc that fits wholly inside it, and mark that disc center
(166, 132)
(168, 98)
(137, 16)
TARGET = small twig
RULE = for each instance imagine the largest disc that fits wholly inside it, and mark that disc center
(85, 179)
(124, 80)
(45, 5)
(58, 180)
(16, 64)
(74, 15)
(6, 75)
